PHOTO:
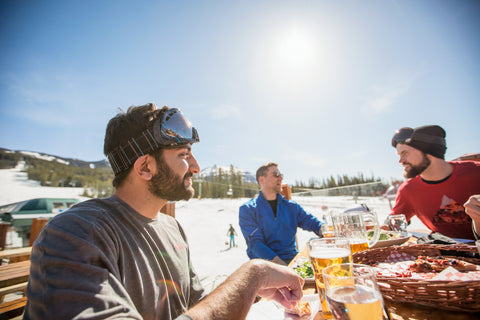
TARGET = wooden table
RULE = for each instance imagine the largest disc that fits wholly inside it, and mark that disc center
(399, 310)
(15, 255)
(13, 278)
(14, 273)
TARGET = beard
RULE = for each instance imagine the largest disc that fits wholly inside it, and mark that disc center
(418, 169)
(169, 186)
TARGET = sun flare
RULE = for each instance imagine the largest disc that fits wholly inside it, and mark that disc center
(296, 49)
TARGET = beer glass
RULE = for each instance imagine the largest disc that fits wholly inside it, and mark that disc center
(325, 252)
(398, 222)
(352, 224)
(328, 231)
(352, 292)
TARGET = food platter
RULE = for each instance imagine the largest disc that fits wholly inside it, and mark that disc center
(304, 263)
(393, 241)
(452, 293)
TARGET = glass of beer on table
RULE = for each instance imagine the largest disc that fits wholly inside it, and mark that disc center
(352, 224)
(352, 292)
(324, 252)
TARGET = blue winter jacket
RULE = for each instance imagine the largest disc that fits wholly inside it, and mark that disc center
(268, 236)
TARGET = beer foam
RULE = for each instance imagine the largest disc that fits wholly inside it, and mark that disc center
(329, 253)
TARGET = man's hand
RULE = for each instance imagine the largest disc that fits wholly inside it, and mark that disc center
(279, 261)
(385, 227)
(233, 298)
(472, 208)
(281, 284)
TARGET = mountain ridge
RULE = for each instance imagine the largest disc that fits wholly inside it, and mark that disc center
(68, 161)
(206, 172)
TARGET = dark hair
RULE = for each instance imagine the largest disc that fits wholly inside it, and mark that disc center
(262, 171)
(129, 125)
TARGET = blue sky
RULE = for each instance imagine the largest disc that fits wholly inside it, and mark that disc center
(317, 86)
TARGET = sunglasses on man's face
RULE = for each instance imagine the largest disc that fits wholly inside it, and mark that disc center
(277, 174)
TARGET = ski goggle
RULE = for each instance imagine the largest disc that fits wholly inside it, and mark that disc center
(405, 134)
(170, 131)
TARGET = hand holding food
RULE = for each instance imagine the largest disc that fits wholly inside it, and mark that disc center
(302, 308)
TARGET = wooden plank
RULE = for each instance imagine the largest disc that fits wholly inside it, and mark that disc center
(14, 273)
(37, 226)
(168, 209)
(14, 307)
(17, 252)
(13, 288)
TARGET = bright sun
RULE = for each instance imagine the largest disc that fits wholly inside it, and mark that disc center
(296, 49)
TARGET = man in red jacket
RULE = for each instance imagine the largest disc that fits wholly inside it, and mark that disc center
(436, 189)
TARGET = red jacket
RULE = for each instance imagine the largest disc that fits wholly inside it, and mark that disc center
(440, 206)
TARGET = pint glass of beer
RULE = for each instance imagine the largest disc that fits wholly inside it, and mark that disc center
(352, 292)
(325, 252)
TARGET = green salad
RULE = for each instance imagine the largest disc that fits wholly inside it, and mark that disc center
(384, 235)
(305, 270)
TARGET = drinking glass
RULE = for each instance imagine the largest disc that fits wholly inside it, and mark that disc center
(398, 222)
(324, 252)
(328, 230)
(352, 224)
(352, 292)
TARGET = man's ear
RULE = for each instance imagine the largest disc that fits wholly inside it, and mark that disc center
(430, 157)
(261, 179)
(144, 167)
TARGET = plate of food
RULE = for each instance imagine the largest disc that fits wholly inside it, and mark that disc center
(304, 269)
(390, 238)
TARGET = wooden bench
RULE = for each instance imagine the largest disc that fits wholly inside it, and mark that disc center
(15, 255)
(13, 288)
(14, 273)
(13, 278)
(12, 308)
(168, 209)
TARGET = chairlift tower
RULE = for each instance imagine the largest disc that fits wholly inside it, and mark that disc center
(230, 191)
(199, 187)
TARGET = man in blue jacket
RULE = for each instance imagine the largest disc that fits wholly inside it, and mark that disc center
(269, 222)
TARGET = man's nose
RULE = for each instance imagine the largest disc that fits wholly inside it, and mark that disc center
(193, 165)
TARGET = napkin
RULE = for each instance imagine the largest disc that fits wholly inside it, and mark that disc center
(399, 256)
(452, 274)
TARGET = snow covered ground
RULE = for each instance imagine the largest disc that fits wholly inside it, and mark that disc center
(205, 221)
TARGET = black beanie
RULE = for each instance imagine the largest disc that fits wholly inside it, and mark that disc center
(436, 137)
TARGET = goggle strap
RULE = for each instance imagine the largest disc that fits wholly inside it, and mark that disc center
(113, 162)
(150, 135)
(124, 156)
(121, 158)
(132, 146)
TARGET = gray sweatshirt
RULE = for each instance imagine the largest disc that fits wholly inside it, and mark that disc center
(103, 260)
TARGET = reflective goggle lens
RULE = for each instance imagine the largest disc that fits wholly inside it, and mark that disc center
(402, 135)
(174, 129)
